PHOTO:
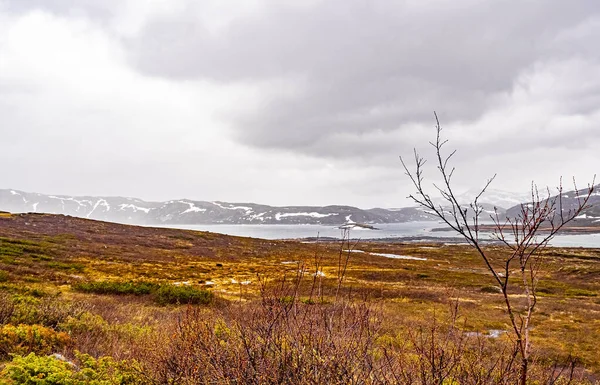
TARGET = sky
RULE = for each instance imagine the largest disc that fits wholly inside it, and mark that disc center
(307, 102)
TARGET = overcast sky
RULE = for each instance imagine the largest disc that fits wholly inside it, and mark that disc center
(294, 102)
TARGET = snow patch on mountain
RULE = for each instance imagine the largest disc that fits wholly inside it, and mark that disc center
(232, 207)
(255, 217)
(193, 208)
(82, 202)
(100, 202)
(586, 216)
(135, 208)
(278, 216)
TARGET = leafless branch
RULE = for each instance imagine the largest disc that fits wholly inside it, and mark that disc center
(523, 236)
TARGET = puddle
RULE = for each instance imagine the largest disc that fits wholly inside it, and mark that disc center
(492, 333)
(394, 256)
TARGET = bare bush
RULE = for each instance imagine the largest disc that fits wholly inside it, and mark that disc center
(274, 341)
(278, 341)
(523, 236)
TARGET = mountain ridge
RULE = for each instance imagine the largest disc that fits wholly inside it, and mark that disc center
(186, 211)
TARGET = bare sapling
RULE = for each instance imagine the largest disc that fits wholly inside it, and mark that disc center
(346, 249)
(522, 237)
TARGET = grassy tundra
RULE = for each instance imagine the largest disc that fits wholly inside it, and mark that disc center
(86, 302)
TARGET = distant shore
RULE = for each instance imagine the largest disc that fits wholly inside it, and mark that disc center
(408, 239)
(565, 230)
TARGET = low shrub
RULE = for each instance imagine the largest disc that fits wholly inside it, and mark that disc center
(491, 289)
(76, 267)
(281, 342)
(580, 293)
(162, 293)
(46, 311)
(37, 370)
(24, 309)
(169, 294)
(52, 311)
(93, 334)
(51, 370)
(116, 287)
(7, 308)
(23, 339)
(545, 290)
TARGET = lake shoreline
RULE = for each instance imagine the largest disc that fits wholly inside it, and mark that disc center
(574, 230)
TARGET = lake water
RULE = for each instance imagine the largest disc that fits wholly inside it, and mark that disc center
(389, 230)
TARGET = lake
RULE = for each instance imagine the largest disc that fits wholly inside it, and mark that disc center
(388, 230)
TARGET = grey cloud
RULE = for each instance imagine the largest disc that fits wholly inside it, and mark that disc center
(342, 87)
(98, 9)
(366, 66)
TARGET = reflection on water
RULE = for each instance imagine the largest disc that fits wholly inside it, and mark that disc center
(389, 230)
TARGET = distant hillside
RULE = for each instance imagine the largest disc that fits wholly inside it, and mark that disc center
(570, 201)
(185, 211)
(490, 199)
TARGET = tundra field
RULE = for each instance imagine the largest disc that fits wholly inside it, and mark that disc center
(102, 303)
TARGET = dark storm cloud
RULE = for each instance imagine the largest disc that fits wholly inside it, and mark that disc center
(361, 67)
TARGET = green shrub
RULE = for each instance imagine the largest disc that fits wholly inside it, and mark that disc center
(491, 289)
(580, 293)
(286, 300)
(49, 310)
(116, 287)
(4, 276)
(94, 334)
(37, 293)
(24, 309)
(77, 267)
(90, 323)
(542, 291)
(169, 294)
(33, 369)
(37, 370)
(163, 294)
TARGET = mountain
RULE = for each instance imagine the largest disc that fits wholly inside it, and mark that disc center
(185, 211)
(495, 197)
(490, 199)
(570, 201)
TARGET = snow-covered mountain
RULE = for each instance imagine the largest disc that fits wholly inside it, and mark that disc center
(185, 211)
